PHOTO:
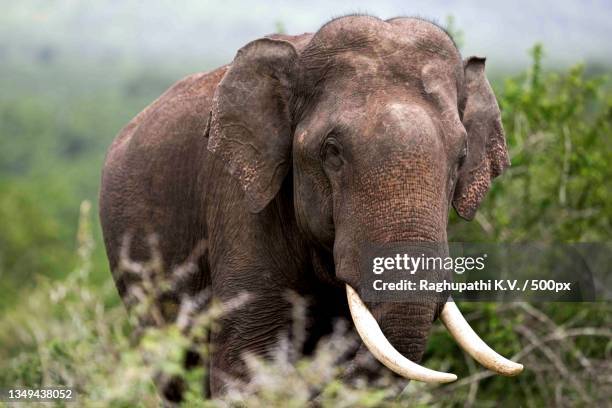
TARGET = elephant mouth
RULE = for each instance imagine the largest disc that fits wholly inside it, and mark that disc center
(374, 339)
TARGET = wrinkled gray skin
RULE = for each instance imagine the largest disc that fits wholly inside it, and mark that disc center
(290, 158)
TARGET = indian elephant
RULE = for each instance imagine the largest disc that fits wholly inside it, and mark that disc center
(288, 159)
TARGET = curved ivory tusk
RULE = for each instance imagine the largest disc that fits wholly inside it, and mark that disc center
(467, 338)
(379, 346)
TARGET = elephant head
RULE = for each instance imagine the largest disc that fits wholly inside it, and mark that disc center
(383, 127)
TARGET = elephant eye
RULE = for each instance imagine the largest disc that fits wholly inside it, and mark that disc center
(462, 155)
(331, 153)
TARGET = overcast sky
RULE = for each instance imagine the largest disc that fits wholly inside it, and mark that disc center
(214, 30)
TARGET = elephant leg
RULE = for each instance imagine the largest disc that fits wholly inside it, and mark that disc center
(255, 328)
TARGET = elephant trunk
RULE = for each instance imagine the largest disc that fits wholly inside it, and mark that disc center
(395, 332)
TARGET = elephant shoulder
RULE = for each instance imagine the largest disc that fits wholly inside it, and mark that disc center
(163, 144)
(182, 109)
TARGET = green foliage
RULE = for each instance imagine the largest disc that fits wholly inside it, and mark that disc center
(558, 127)
(64, 335)
(558, 133)
(55, 126)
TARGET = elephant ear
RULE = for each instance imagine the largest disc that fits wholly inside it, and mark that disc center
(250, 124)
(487, 155)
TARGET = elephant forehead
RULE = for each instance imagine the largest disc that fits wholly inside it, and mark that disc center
(365, 53)
(396, 38)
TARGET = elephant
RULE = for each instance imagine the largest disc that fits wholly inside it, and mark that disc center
(288, 159)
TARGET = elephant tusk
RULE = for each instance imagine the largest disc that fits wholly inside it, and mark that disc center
(469, 341)
(379, 346)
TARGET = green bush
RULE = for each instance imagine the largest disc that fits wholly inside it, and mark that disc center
(558, 128)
